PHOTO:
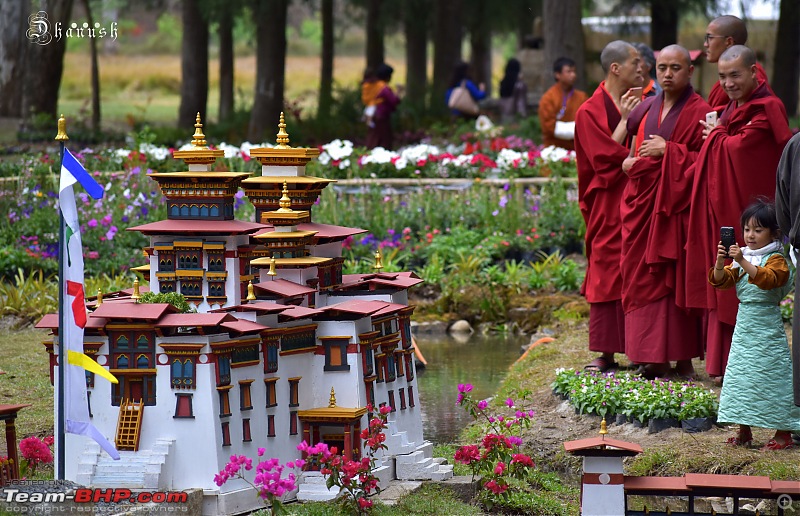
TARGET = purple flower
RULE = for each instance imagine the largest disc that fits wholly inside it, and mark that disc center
(464, 387)
(483, 404)
(503, 201)
(92, 223)
(510, 402)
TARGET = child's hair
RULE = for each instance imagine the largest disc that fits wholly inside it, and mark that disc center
(763, 212)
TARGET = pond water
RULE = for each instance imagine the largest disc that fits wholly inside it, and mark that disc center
(482, 360)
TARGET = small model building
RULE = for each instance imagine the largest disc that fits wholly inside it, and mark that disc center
(282, 348)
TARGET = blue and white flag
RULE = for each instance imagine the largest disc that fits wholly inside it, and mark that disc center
(73, 307)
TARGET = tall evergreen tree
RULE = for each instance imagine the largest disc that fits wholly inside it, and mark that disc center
(270, 67)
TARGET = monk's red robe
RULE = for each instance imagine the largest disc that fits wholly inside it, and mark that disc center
(718, 99)
(736, 164)
(657, 331)
(600, 184)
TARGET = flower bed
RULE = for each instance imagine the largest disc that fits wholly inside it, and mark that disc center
(638, 399)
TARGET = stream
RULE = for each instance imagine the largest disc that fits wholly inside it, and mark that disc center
(482, 360)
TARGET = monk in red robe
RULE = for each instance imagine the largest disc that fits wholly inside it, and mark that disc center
(721, 34)
(666, 141)
(600, 131)
(735, 165)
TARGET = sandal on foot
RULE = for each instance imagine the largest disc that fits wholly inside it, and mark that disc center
(600, 364)
(773, 445)
(737, 441)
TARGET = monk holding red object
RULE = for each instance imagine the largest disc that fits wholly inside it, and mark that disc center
(600, 130)
(721, 34)
(666, 141)
(734, 167)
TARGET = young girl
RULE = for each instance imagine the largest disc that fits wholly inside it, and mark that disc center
(758, 380)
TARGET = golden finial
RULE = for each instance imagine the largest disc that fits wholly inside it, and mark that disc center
(603, 427)
(271, 271)
(99, 297)
(199, 139)
(378, 261)
(669, 511)
(62, 129)
(332, 402)
(283, 136)
(251, 294)
(285, 202)
(646, 510)
(136, 294)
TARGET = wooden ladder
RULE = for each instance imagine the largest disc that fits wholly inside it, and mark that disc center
(129, 424)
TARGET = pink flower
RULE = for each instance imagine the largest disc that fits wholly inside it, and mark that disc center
(500, 468)
(483, 404)
(92, 223)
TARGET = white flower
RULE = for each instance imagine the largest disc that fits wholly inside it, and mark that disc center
(414, 153)
(508, 158)
(122, 153)
(379, 156)
(339, 149)
(159, 153)
(401, 163)
(483, 124)
(231, 151)
(553, 153)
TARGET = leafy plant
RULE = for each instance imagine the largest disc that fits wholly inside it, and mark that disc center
(175, 299)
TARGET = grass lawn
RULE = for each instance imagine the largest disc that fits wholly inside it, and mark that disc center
(26, 380)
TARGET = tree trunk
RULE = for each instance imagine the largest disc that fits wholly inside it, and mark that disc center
(13, 47)
(786, 76)
(326, 70)
(563, 35)
(527, 13)
(447, 37)
(480, 39)
(45, 63)
(270, 68)
(194, 65)
(375, 48)
(415, 26)
(226, 63)
(663, 23)
(95, 72)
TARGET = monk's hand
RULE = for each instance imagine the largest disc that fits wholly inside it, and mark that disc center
(654, 147)
(628, 163)
(707, 128)
(735, 252)
(627, 102)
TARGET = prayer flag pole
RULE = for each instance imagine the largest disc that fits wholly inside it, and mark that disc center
(61, 137)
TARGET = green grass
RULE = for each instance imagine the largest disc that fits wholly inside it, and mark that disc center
(27, 380)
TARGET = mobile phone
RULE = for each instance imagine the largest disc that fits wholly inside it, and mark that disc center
(636, 92)
(728, 238)
(711, 118)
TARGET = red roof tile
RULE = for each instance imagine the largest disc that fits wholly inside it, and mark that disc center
(244, 326)
(198, 227)
(298, 312)
(51, 321)
(357, 306)
(390, 308)
(400, 280)
(600, 443)
(324, 231)
(265, 307)
(192, 319)
(284, 288)
(132, 310)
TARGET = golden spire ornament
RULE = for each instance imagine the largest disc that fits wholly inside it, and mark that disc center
(99, 297)
(378, 261)
(251, 294)
(136, 294)
(283, 136)
(61, 136)
(285, 202)
(332, 401)
(272, 272)
(199, 139)
(603, 427)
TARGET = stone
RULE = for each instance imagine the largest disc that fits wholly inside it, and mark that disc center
(430, 327)
(461, 326)
(463, 487)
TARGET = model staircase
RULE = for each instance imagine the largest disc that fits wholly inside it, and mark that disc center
(129, 424)
(422, 465)
(143, 469)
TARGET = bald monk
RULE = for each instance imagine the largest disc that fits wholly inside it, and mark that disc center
(734, 167)
(666, 141)
(721, 34)
(600, 133)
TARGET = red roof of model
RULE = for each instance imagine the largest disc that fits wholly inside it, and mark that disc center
(192, 319)
(400, 280)
(284, 288)
(357, 306)
(324, 231)
(297, 312)
(51, 321)
(198, 227)
(133, 310)
(244, 326)
(390, 308)
(602, 443)
(265, 307)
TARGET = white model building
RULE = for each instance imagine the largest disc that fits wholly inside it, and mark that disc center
(283, 347)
